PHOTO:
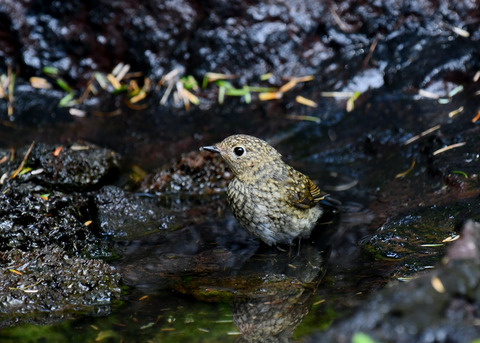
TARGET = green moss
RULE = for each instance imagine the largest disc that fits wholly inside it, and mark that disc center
(319, 319)
(196, 322)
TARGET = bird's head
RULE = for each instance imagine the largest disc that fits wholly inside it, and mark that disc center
(245, 154)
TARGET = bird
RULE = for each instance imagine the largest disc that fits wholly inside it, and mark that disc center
(269, 198)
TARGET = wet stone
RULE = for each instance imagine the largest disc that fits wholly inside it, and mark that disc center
(196, 172)
(73, 167)
(109, 32)
(416, 241)
(401, 46)
(252, 39)
(440, 306)
(45, 285)
(28, 221)
(48, 237)
(37, 207)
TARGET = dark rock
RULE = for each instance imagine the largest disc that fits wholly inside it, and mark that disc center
(72, 168)
(440, 306)
(75, 167)
(45, 285)
(38, 206)
(412, 242)
(46, 240)
(468, 247)
(251, 39)
(347, 47)
(196, 172)
(28, 221)
(96, 36)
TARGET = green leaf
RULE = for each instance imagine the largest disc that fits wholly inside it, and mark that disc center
(122, 89)
(64, 85)
(224, 84)
(261, 89)
(204, 82)
(66, 101)
(236, 91)
(351, 101)
(360, 337)
(189, 82)
(11, 86)
(52, 71)
(460, 172)
(266, 76)
(25, 170)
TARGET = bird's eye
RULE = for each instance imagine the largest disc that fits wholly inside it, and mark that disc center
(239, 151)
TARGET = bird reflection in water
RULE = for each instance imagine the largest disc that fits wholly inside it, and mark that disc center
(281, 291)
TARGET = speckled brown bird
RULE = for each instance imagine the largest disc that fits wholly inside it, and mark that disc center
(269, 198)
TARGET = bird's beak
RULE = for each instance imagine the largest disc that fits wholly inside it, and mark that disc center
(212, 148)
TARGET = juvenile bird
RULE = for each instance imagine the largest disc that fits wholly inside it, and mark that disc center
(269, 198)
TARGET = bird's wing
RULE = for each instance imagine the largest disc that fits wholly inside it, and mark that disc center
(305, 194)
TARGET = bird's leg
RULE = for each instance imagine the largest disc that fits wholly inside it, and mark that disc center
(299, 245)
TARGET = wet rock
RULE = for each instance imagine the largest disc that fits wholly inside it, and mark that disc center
(251, 39)
(47, 284)
(346, 46)
(441, 306)
(38, 208)
(74, 167)
(147, 36)
(468, 247)
(47, 239)
(196, 172)
(32, 216)
(416, 241)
